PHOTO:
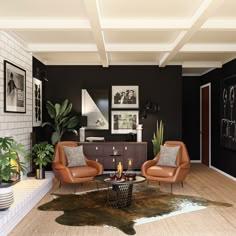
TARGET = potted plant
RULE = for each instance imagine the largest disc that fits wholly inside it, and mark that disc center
(157, 140)
(42, 155)
(9, 165)
(63, 121)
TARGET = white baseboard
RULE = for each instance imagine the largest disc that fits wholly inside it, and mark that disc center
(223, 173)
(195, 161)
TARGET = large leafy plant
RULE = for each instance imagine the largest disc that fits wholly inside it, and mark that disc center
(62, 120)
(157, 140)
(9, 150)
(43, 153)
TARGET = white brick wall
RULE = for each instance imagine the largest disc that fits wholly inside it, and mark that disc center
(18, 125)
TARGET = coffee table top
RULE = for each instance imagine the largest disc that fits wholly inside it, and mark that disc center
(105, 178)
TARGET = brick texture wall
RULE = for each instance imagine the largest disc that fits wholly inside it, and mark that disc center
(17, 125)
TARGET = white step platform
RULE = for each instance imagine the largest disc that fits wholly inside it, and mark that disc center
(27, 193)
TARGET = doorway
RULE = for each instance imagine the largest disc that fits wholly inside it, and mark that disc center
(205, 124)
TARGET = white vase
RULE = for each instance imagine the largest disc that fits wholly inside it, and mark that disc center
(139, 133)
(82, 134)
(6, 196)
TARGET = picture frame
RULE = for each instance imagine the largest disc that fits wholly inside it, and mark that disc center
(95, 106)
(37, 102)
(124, 122)
(125, 96)
(14, 88)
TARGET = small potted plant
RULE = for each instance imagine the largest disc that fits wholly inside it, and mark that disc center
(42, 155)
(10, 166)
(157, 140)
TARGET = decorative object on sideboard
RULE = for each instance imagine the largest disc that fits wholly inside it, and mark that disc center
(14, 88)
(95, 139)
(10, 169)
(157, 140)
(150, 107)
(83, 123)
(95, 106)
(125, 96)
(42, 154)
(139, 132)
(124, 122)
(37, 102)
(62, 120)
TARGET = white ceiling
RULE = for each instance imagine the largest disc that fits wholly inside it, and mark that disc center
(200, 35)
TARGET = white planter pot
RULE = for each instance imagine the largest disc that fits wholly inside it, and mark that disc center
(6, 196)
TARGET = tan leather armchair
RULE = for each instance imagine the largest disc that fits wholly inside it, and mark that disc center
(168, 174)
(73, 175)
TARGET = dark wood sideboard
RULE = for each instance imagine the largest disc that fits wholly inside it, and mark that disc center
(103, 152)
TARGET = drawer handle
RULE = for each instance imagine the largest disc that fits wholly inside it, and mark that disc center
(96, 160)
(126, 148)
(113, 160)
(113, 148)
(96, 148)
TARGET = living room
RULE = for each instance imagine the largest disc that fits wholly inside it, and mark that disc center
(136, 46)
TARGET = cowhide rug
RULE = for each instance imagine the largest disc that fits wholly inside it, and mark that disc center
(91, 208)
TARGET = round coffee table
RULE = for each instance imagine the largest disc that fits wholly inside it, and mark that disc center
(119, 192)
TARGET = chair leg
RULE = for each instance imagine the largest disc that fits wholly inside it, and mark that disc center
(147, 182)
(74, 185)
(159, 183)
(59, 184)
(171, 188)
(182, 183)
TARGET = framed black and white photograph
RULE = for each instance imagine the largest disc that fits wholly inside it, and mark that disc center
(37, 102)
(124, 122)
(95, 106)
(125, 96)
(14, 88)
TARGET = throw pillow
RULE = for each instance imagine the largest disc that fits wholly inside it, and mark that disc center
(168, 156)
(75, 156)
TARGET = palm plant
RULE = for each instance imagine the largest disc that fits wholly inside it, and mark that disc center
(63, 121)
(157, 140)
(9, 150)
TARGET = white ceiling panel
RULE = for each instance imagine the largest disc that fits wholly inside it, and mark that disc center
(56, 36)
(42, 9)
(199, 34)
(148, 8)
(140, 37)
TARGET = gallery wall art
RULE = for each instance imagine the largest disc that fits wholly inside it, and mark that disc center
(228, 113)
(14, 88)
(37, 102)
(95, 106)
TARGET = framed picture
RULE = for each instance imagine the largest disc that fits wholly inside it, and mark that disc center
(124, 122)
(125, 96)
(14, 88)
(37, 102)
(95, 107)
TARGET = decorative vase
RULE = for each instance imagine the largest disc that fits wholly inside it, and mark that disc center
(82, 134)
(6, 196)
(139, 133)
(40, 174)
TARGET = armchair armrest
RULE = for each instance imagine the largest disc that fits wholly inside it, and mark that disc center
(58, 166)
(146, 165)
(96, 165)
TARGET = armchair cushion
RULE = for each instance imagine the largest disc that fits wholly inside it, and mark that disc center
(168, 156)
(161, 171)
(75, 156)
(83, 171)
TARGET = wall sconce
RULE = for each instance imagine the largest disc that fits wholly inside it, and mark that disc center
(150, 107)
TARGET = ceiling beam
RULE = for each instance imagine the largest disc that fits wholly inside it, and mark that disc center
(53, 24)
(208, 47)
(201, 64)
(62, 47)
(197, 20)
(219, 24)
(94, 18)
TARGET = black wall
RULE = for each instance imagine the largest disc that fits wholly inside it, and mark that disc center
(159, 85)
(222, 158)
(191, 116)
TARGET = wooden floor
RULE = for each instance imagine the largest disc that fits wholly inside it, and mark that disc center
(201, 181)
